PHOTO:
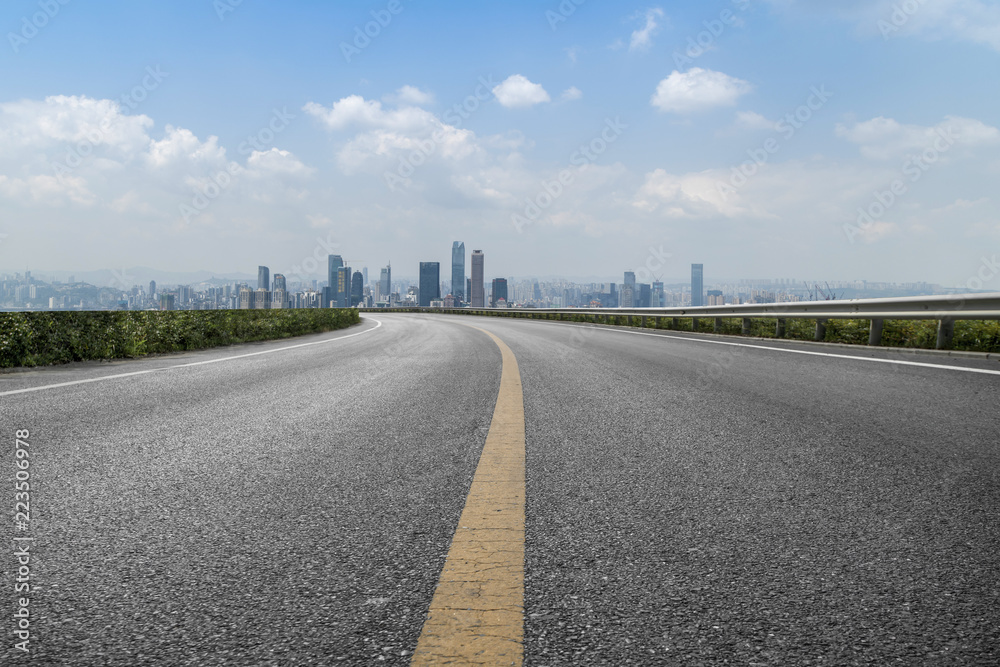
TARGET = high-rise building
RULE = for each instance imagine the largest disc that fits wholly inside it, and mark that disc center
(364, 275)
(645, 296)
(430, 283)
(263, 278)
(152, 288)
(626, 298)
(279, 282)
(657, 296)
(630, 280)
(262, 299)
(385, 282)
(476, 298)
(458, 270)
(357, 288)
(697, 285)
(333, 264)
(498, 292)
(342, 287)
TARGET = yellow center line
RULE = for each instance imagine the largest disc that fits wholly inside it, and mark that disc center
(477, 614)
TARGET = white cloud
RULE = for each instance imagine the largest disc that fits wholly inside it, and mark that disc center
(642, 38)
(355, 110)
(887, 139)
(275, 161)
(517, 92)
(698, 89)
(65, 119)
(410, 95)
(181, 145)
(572, 93)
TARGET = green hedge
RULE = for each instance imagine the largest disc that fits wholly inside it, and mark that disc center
(41, 339)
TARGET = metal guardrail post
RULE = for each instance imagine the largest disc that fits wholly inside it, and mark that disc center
(747, 323)
(875, 333)
(779, 328)
(643, 323)
(945, 334)
(717, 326)
(675, 323)
(820, 330)
(694, 324)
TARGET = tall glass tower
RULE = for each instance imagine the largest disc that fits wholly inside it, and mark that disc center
(263, 278)
(477, 298)
(458, 270)
(697, 284)
(334, 264)
(430, 283)
(385, 283)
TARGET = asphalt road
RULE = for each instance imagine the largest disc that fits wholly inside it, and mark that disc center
(687, 502)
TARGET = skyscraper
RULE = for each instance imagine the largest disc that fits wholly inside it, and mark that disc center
(477, 299)
(385, 283)
(430, 283)
(263, 278)
(626, 298)
(499, 291)
(645, 296)
(152, 288)
(630, 280)
(458, 270)
(697, 285)
(343, 287)
(279, 282)
(334, 264)
(357, 288)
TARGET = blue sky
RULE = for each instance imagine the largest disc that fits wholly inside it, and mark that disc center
(358, 144)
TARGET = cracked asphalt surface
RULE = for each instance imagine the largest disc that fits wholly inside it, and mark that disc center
(687, 503)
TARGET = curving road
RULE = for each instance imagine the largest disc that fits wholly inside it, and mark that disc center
(689, 499)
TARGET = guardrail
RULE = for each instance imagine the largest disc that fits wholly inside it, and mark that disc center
(945, 309)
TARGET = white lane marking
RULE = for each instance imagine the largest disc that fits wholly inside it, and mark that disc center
(791, 351)
(188, 365)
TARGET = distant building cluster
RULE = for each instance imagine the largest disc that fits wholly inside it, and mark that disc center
(345, 287)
